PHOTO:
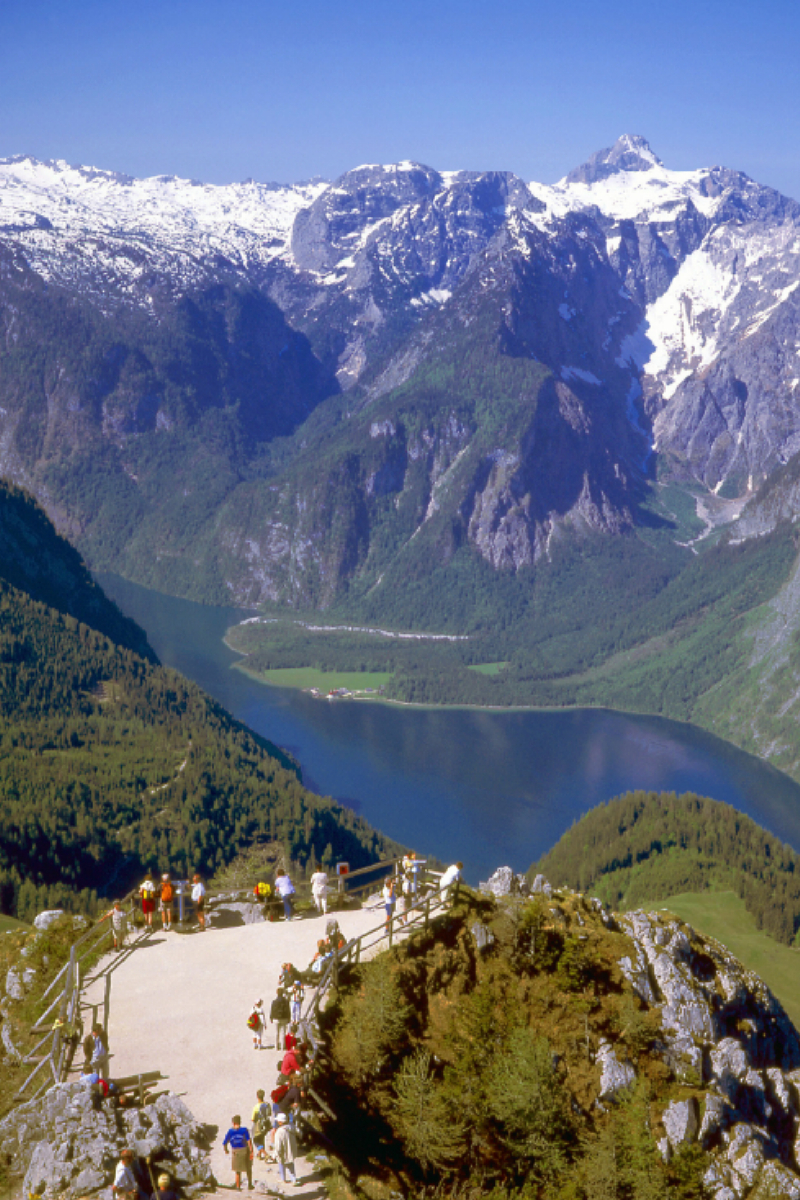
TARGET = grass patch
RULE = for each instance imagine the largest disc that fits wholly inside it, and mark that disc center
(308, 677)
(722, 915)
(493, 668)
(9, 923)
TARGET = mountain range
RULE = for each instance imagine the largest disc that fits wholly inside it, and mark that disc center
(265, 392)
(559, 421)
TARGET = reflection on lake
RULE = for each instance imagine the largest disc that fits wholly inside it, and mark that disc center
(490, 788)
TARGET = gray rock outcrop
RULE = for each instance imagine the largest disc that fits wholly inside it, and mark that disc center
(615, 1076)
(726, 1036)
(67, 1147)
(505, 882)
(44, 920)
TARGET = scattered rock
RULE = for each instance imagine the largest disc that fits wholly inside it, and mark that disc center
(18, 982)
(540, 885)
(777, 1180)
(235, 912)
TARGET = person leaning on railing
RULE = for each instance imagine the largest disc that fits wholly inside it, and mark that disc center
(448, 880)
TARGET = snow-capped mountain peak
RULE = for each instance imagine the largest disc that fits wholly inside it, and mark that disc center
(631, 152)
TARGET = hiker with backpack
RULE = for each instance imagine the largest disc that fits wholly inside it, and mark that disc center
(256, 1023)
(165, 896)
(261, 1124)
(280, 1013)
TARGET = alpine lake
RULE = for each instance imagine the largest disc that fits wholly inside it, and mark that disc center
(489, 788)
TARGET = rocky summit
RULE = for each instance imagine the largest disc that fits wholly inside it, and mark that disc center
(278, 390)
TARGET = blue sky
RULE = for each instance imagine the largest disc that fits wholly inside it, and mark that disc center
(222, 91)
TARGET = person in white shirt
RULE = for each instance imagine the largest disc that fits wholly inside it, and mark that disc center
(285, 1149)
(451, 876)
(125, 1186)
(285, 889)
(199, 898)
(319, 890)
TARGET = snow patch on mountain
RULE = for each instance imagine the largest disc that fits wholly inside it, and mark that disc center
(58, 211)
(683, 324)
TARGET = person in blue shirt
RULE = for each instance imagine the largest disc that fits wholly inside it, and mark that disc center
(241, 1147)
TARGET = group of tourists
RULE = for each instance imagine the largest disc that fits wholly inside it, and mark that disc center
(154, 895)
(277, 1122)
(161, 893)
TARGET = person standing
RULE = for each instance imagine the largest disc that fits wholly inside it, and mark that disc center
(285, 889)
(261, 1123)
(119, 924)
(256, 1022)
(100, 1051)
(298, 994)
(319, 891)
(281, 1013)
(241, 1150)
(449, 879)
(389, 899)
(285, 1149)
(409, 869)
(126, 1186)
(147, 895)
(199, 898)
(165, 895)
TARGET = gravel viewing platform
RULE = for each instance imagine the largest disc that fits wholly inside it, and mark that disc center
(180, 1002)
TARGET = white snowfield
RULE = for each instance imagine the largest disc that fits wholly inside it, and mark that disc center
(246, 222)
(180, 1002)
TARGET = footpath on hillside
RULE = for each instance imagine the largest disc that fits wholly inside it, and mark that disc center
(179, 1004)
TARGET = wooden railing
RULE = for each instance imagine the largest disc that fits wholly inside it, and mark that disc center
(417, 915)
(65, 1013)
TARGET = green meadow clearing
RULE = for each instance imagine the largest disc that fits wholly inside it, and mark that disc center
(722, 915)
(326, 681)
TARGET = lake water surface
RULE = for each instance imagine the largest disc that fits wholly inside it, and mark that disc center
(489, 788)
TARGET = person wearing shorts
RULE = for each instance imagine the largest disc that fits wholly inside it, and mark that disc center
(241, 1151)
(165, 893)
(199, 898)
(119, 924)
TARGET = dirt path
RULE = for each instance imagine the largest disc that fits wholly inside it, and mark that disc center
(179, 1004)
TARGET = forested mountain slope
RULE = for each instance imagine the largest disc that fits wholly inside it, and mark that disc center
(110, 763)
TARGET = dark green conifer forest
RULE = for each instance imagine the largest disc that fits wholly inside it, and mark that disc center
(110, 763)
